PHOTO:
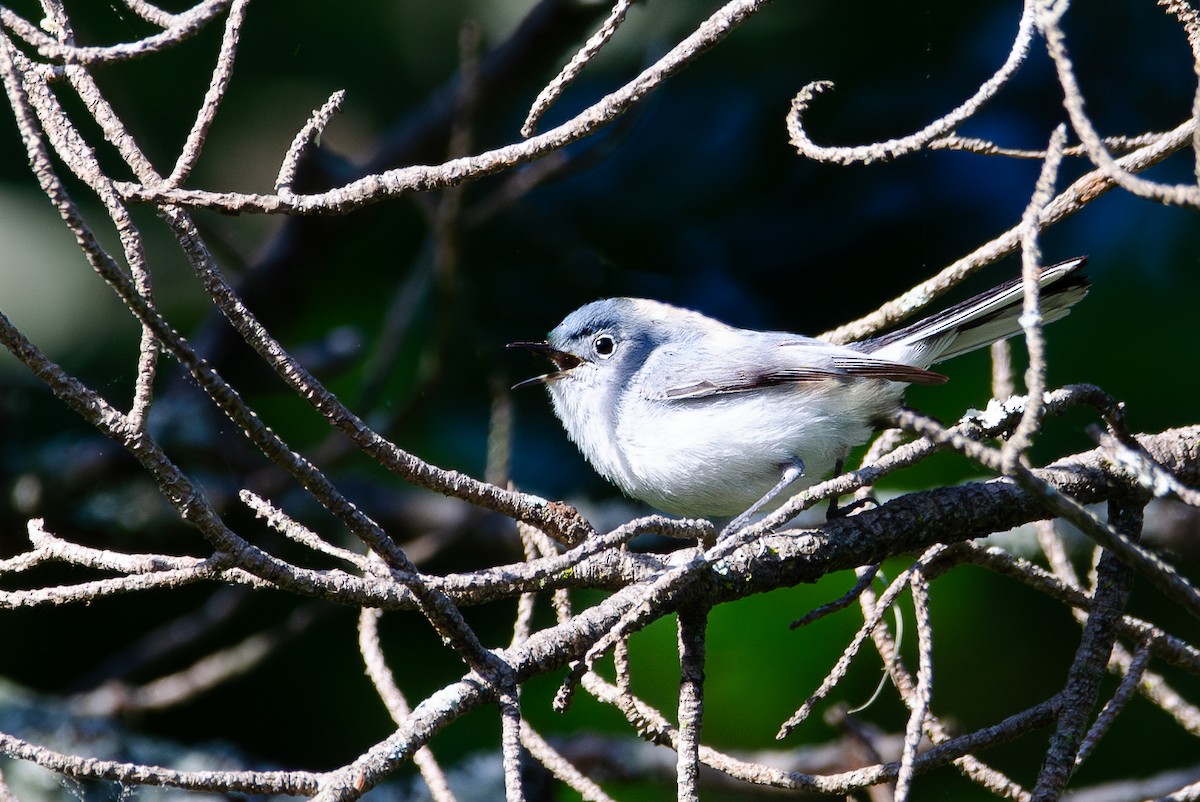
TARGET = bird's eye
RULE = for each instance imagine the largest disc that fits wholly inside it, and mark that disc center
(604, 345)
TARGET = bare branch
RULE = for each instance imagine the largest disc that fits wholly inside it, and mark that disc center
(279, 521)
(203, 675)
(898, 585)
(182, 27)
(510, 745)
(392, 183)
(1074, 198)
(1133, 674)
(1148, 473)
(393, 699)
(892, 148)
(152, 13)
(1165, 576)
(983, 147)
(295, 783)
(1031, 316)
(865, 578)
(1048, 17)
(560, 767)
(924, 688)
(693, 622)
(1111, 593)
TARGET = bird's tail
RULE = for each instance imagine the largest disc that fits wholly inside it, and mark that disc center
(980, 321)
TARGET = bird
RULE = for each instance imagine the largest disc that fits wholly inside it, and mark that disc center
(701, 419)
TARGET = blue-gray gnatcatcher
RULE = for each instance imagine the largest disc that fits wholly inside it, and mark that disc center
(698, 418)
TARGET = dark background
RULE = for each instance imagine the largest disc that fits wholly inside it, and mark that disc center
(694, 198)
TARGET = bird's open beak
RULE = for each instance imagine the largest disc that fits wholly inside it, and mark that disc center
(561, 359)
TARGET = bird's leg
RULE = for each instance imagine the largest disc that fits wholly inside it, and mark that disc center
(833, 511)
(854, 506)
(791, 472)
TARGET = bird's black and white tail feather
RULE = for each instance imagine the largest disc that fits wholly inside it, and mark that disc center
(982, 320)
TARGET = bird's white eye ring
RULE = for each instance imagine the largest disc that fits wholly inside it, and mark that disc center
(604, 346)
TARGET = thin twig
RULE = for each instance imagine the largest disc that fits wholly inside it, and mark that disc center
(567, 75)
(201, 676)
(294, 783)
(984, 147)
(1116, 705)
(1048, 19)
(1165, 577)
(1125, 454)
(560, 767)
(279, 521)
(864, 580)
(1052, 545)
(923, 692)
(183, 26)
(392, 183)
(835, 675)
(308, 134)
(393, 698)
(865, 154)
(906, 685)
(222, 73)
(1075, 197)
(152, 13)
(1031, 315)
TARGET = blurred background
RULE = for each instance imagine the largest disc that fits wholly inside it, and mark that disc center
(404, 308)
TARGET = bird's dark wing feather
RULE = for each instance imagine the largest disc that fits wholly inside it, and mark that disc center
(683, 374)
(871, 368)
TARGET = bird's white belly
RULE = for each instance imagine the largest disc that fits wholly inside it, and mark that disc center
(719, 454)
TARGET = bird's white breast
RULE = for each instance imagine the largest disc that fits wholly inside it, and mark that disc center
(719, 454)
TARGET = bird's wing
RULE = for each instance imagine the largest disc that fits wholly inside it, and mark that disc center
(693, 370)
